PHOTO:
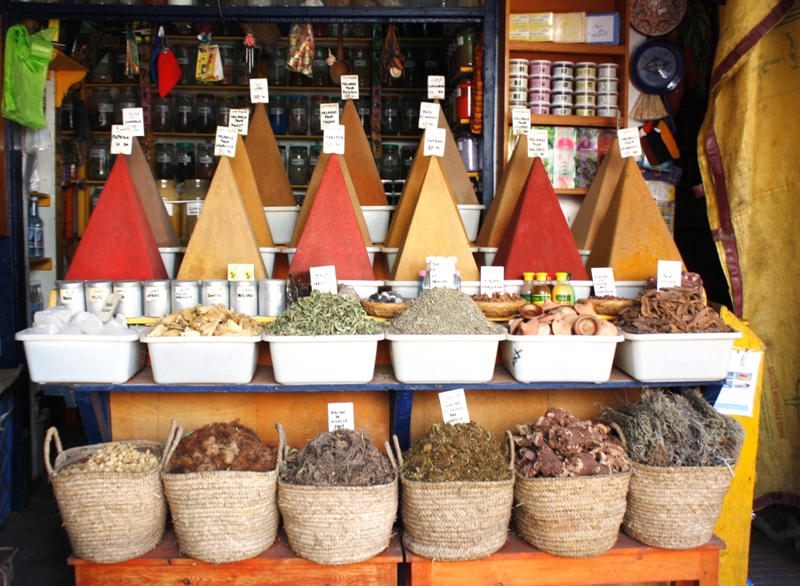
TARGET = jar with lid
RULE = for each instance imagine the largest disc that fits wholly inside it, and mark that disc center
(282, 152)
(195, 193)
(409, 120)
(69, 162)
(165, 161)
(316, 125)
(205, 118)
(464, 100)
(390, 115)
(101, 109)
(103, 72)
(297, 78)
(526, 291)
(228, 55)
(364, 108)
(319, 68)
(224, 105)
(412, 70)
(390, 163)
(431, 65)
(469, 148)
(67, 115)
(361, 67)
(184, 113)
(298, 165)
(465, 47)
(128, 98)
(185, 167)
(406, 160)
(362, 29)
(277, 114)
(168, 190)
(276, 67)
(99, 159)
(298, 115)
(183, 56)
(162, 114)
(314, 151)
(206, 163)
(541, 290)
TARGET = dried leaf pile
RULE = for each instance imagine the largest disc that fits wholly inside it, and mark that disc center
(456, 452)
(670, 311)
(559, 444)
(206, 320)
(667, 429)
(559, 320)
(341, 458)
(323, 314)
(443, 311)
(223, 446)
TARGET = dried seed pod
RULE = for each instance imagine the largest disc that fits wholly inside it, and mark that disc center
(586, 325)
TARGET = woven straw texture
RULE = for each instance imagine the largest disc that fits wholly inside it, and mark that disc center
(500, 309)
(574, 517)
(675, 507)
(110, 517)
(221, 516)
(384, 309)
(456, 521)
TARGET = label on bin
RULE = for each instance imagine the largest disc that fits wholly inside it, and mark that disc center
(603, 280)
(109, 307)
(323, 279)
(429, 115)
(669, 274)
(454, 406)
(97, 294)
(341, 416)
(436, 87)
(349, 87)
(215, 293)
(259, 91)
(239, 118)
(241, 272)
(492, 280)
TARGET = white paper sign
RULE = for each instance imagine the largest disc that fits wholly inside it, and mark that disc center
(109, 307)
(429, 115)
(259, 91)
(121, 139)
(521, 120)
(341, 416)
(537, 143)
(225, 144)
(629, 143)
(669, 274)
(443, 269)
(454, 406)
(333, 139)
(328, 114)
(134, 117)
(349, 87)
(323, 279)
(241, 272)
(603, 279)
(738, 394)
(239, 119)
(434, 142)
(492, 280)
(436, 87)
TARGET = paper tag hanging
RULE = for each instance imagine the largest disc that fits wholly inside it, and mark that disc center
(603, 280)
(521, 120)
(121, 139)
(537, 143)
(349, 87)
(429, 115)
(259, 91)
(239, 119)
(225, 143)
(134, 118)
(454, 406)
(328, 114)
(434, 142)
(323, 279)
(629, 143)
(333, 139)
(436, 87)
(341, 416)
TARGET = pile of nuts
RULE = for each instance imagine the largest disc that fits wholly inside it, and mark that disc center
(115, 457)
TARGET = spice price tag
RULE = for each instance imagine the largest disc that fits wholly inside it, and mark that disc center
(259, 91)
(629, 143)
(492, 280)
(328, 114)
(121, 139)
(521, 121)
(436, 87)
(323, 279)
(245, 292)
(193, 208)
(241, 272)
(225, 144)
(429, 115)
(96, 294)
(669, 274)
(134, 117)
(603, 280)
(434, 142)
(349, 87)
(454, 406)
(537, 143)
(333, 140)
(109, 307)
(341, 416)
(443, 269)
(239, 119)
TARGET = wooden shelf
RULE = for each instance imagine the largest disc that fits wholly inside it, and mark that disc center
(40, 264)
(567, 48)
(564, 191)
(553, 120)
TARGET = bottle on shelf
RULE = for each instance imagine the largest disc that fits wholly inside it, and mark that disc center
(541, 290)
(563, 293)
(390, 115)
(298, 165)
(361, 67)
(101, 109)
(185, 167)
(205, 117)
(277, 114)
(162, 114)
(99, 159)
(390, 163)
(165, 161)
(224, 105)
(298, 115)
(206, 163)
(319, 68)
(184, 113)
(195, 194)
(67, 116)
(526, 291)
(35, 230)
(128, 98)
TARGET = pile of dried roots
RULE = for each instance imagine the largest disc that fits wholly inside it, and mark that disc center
(223, 446)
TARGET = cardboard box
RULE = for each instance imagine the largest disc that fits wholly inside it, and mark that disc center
(540, 27)
(519, 27)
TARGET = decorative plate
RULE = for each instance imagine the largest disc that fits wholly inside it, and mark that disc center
(657, 66)
(657, 17)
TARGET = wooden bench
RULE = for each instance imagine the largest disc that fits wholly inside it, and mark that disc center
(519, 564)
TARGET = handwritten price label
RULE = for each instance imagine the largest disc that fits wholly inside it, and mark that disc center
(328, 114)
(121, 139)
(429, 115)
(134, 117)
(629, 143)
(225, 144)
(333, 139)
(341, 416)
(521, 120)
(434, 142)
(537, 143)
(436, 87)
(603, 280)
(492, 280)
(240, 120)
(323, 279)
(454, 406)
(259, 91)
(349, 87)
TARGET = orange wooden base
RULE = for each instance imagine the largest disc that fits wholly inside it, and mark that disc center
(278, 566)
(519, 564)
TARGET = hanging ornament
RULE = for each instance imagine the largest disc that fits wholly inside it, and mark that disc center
(131, 53)
(392, 58)
(250, 51)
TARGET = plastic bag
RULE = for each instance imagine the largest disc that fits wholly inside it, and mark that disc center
(25, 73)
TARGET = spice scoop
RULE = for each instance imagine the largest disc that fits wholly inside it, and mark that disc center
(340, 67)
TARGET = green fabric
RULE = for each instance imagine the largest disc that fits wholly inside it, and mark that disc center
(24, 75)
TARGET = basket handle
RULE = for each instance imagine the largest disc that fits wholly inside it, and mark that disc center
(616, 427)
(390, 453)
(397, 449)
(52, 434)
(281, 444)
(173, 439)
(511, 450)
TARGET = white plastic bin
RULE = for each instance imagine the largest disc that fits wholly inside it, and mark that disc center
(281, 220)
(377, 219)
(363, 288)
(471, 218)
(408, 289)
(268, 256)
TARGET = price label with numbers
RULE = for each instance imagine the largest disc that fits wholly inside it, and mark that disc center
(521, 120)
(603, 281)
(436, 87)
(537, 143)
(323, 279)
(259, 91)
(429, 115)
(454, 406)
(240, 120)
(349, 87)
(333, 139)
(134, 117)
(121, 139)
(629, 143)
(341, 416)
(434, 142)
(225, 143)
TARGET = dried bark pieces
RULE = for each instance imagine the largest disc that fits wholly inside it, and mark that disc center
(670, 311)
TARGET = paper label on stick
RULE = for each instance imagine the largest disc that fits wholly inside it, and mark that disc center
(323, 279)
(121, 139)
(603, 279)
(436, 87)
(328, 114)
(241, 272)
(134, 117)
(669, 274)
(225, 144)
(429, 115)
(333, 140)
(492, 280)
(629, 143)
(521, 120)
(341, 416)
(239, 119)
(454, 406)
(442, 272)
(259, 91)
(434, 142)
(349, 87)
(537, 143)
(109, 307)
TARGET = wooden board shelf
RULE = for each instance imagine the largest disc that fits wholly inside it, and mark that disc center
(567, 48)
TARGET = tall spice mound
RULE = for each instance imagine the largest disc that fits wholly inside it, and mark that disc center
(223, 446)
(443, 311)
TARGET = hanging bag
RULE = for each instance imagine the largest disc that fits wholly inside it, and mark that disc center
(24, 75)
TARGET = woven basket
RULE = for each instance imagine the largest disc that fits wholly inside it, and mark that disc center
(608, 306)
(675, 507)
(221, 516)
(110, 517)
(500, 308)
(574, 517)
(384, 309)
(458, 520)
(335, 525)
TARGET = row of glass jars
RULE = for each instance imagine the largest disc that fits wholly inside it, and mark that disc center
(190, 113)
(104, 110)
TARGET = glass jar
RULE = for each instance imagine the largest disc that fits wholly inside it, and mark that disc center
(184, 113)
(320, 29)
(409, 117)
(361, 66)
(228, 56)
(314, 151)
(319, 68)
(282, 151)
(224, 105)
(277, 114)
(390, 115)
(243, 103)
(182, 29)
(364, 108)
(406, 160)
(205, 119)
(185, 167)
(298, 165)
(469, 146)
(431, 65)
(297, 79)
(465, 47)
(168, 190)
(412, 74)
(195, 193)
(316, 124)
(99, 159)
(298, 115)
(128, 98)
(67, 116)
(184, 55)
(101, 109)
(103, 72)
(94, 198)
(165, 161)
(276, 67)
(206, 163)
(161, 119)
(390, 162)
